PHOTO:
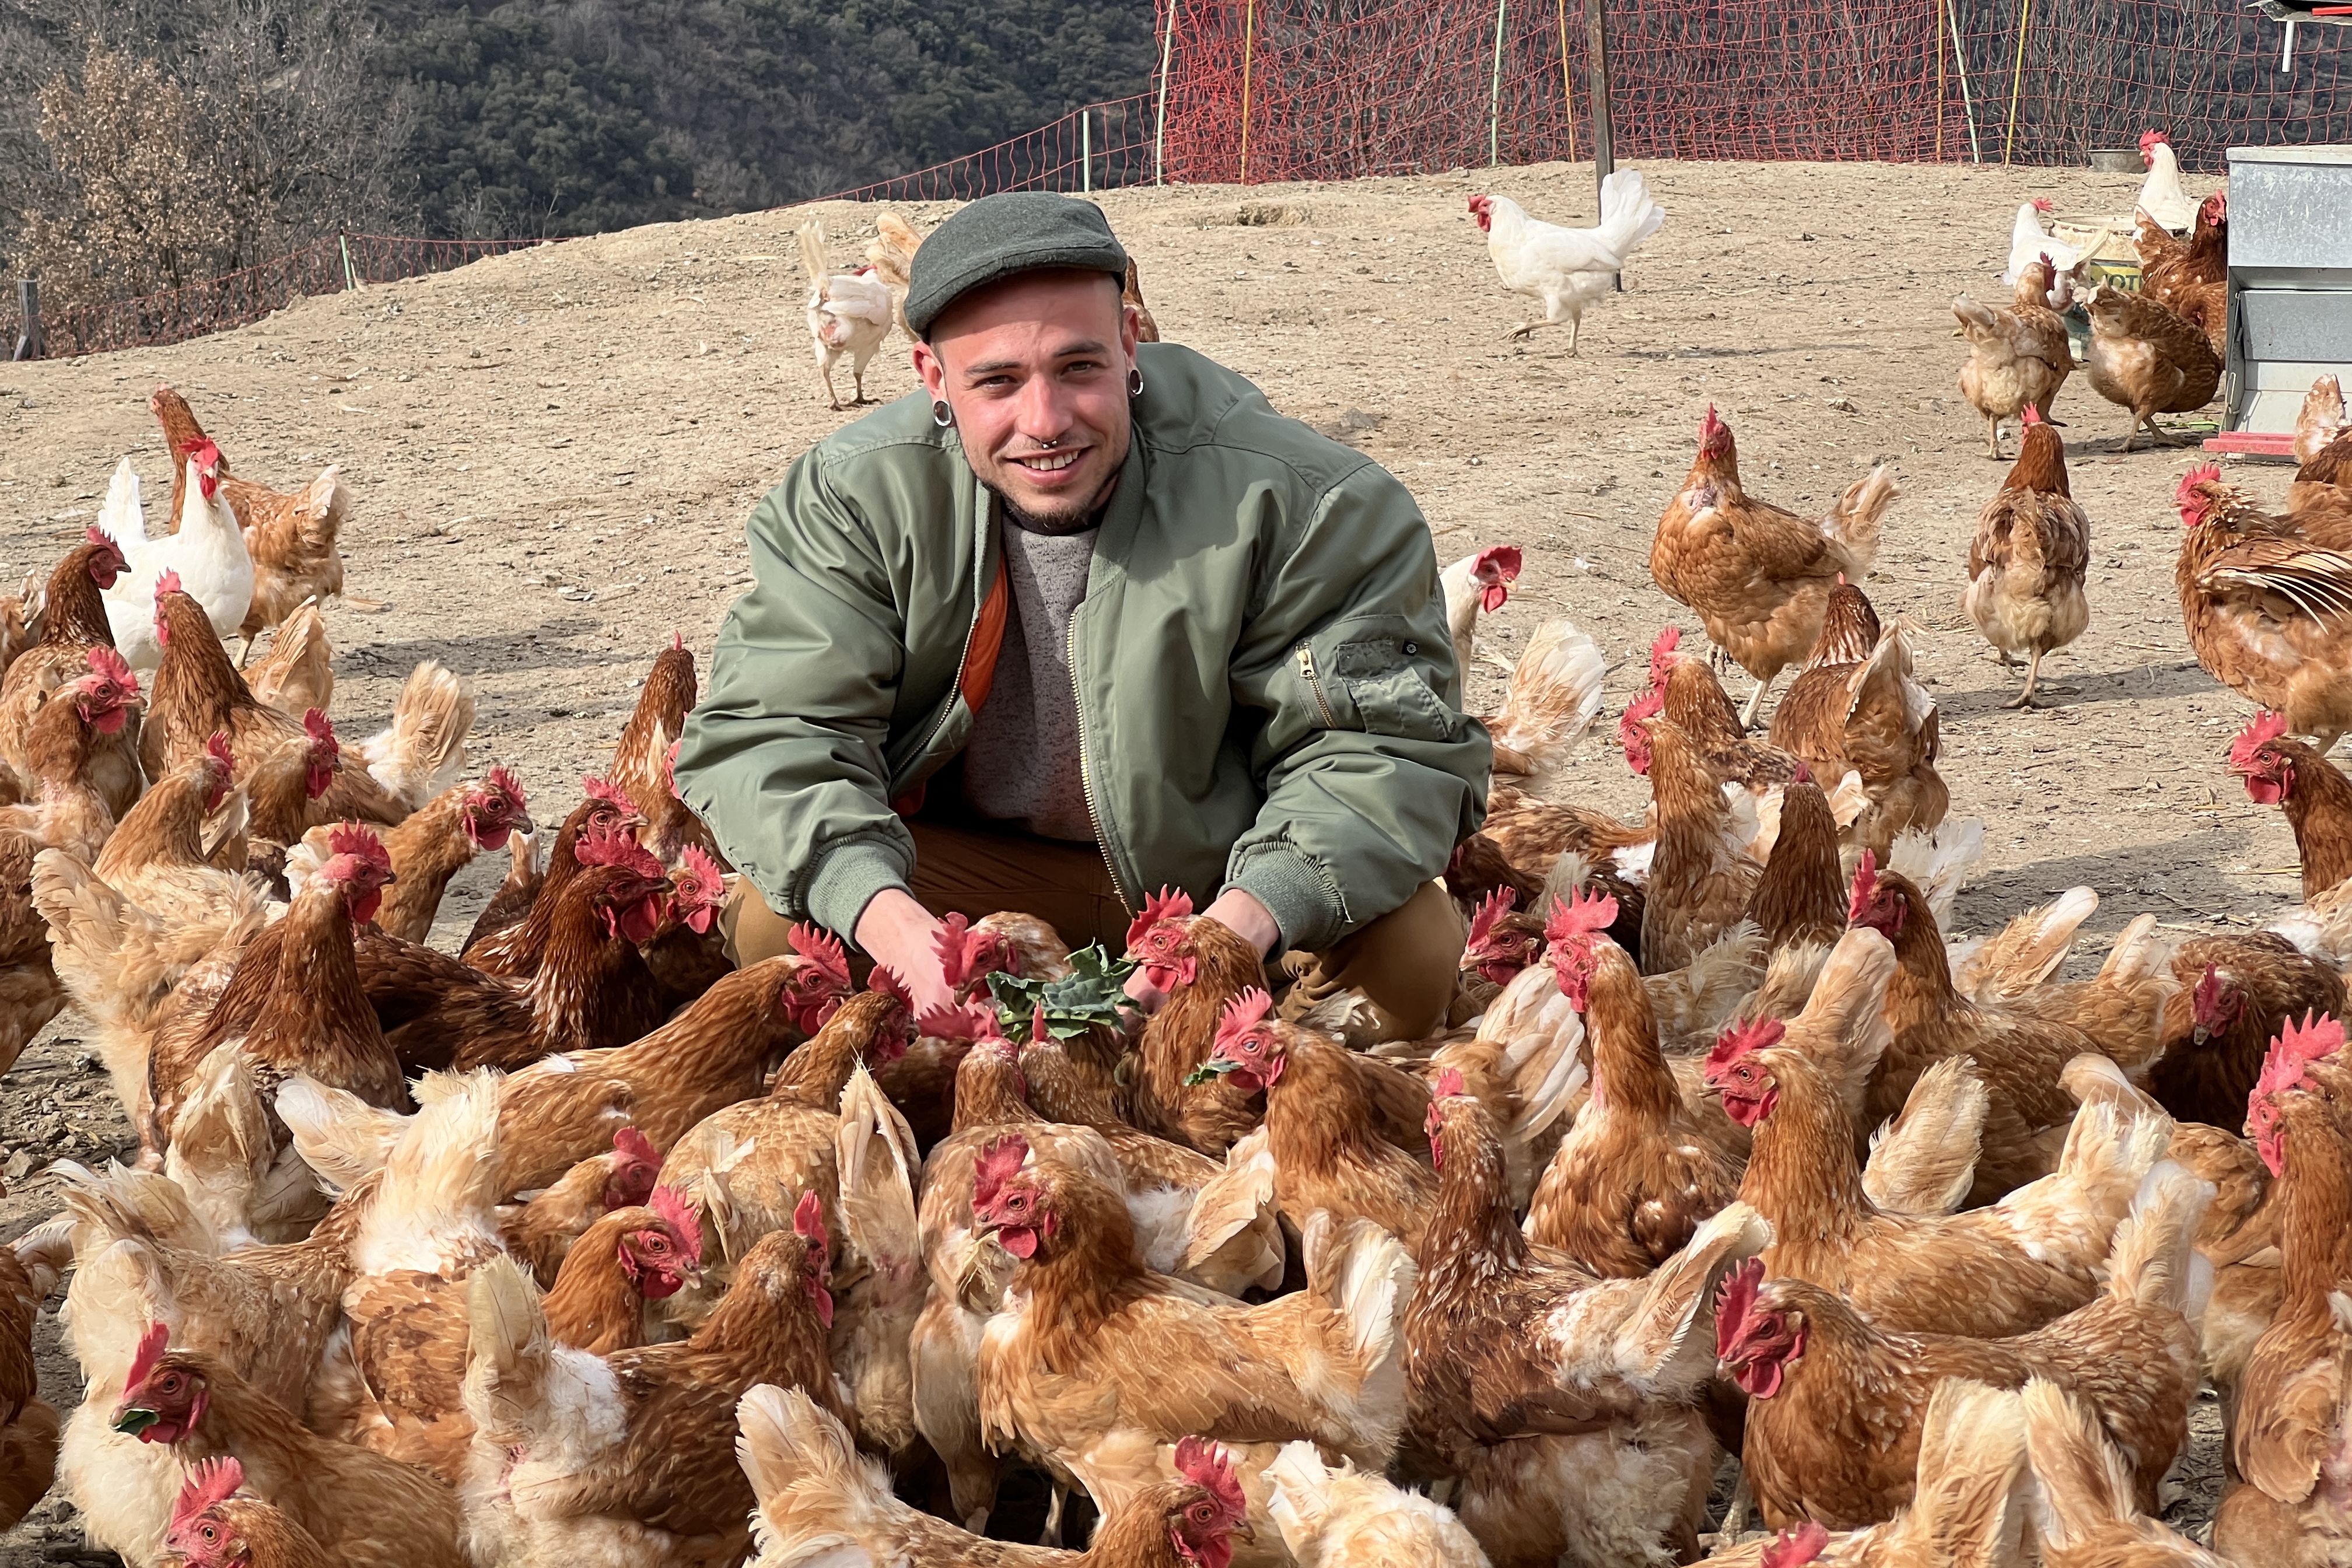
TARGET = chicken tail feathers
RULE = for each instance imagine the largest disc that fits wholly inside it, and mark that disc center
(2083, 1484)
(1853, 523)
(1938, 863)
(1628, 215)
(1364, 1274)
(440, 1184)
(812, 238)
(2154, 1261)
(1555, 690)
(122, 516)
(1229, 1206)
(2027, 950)
(1680, 1295)
(815, 1492)
(424, 750)
(1925, 1161)
(338, 1134)
(508, 1357)
(1973, 1495)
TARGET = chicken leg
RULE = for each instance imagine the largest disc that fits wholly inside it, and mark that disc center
(1992, 440)
(2032, 677)
(1755, 703)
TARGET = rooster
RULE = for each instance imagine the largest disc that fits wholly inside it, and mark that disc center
(2029, 558)
(1759, 576)
(207, 556)
(849, 314)
(1568, 268)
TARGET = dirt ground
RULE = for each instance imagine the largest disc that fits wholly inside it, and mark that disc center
(554, 451)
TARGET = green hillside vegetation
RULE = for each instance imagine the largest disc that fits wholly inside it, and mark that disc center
(148, 148)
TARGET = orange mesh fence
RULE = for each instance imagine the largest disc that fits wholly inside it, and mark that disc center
(1287, 90)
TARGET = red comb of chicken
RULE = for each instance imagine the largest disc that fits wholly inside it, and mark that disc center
(616, 846)
(152, 1346)
(358, 839)
(169, 582)
(1490, 912)
(1208, 1465)
(603, 789)
(1740, 1038)
(318, 726)
(2265, 727)
(1168, 904)
(2318, 1035)
(965, 954)
(808, 1219)
(1242, 1013)
(217, 749)
(2030, 414)
(104, 661)
(207, 459)
(1663, 654)
(2185, 494)
(973, 1021)
(635, 1147)
(1000, 1161)
(671, 1205)
(502, 781)
(208, 1484)
(1733, 1301)
(1448, 1085)
(1865, 887)
(1579, 914)
(2040, 204)
(888, 984)
(820, 947)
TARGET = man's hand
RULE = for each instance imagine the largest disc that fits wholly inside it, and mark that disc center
(1237, 911)
(898, 934)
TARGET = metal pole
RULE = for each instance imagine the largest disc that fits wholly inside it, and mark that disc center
(1495, 92)
(1086, 151)
(350, 279)
(1960, 69)
(1939, 80)
(1249, 48)
(1604, 124)
(1567, 84)
(1160, 136)
(2017, 77)
(29, 341)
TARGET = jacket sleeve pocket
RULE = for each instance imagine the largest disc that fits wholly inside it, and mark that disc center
(1371, 674)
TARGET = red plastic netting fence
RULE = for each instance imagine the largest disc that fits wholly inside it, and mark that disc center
(218, 303)
(1288, 90)
(1099, 147)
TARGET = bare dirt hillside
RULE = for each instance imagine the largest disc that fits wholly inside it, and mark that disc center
(554, 452)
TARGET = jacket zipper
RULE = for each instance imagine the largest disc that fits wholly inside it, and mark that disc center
(1085, 773)
(1314, 685)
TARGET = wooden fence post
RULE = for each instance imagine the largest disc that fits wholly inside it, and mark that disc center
(29, 342)
(1604, 125)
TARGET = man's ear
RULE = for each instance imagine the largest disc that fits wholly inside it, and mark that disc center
(934, 373)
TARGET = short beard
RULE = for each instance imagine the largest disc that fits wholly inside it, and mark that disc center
(1076, 521)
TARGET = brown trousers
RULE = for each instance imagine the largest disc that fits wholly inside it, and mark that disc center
(1405, 963)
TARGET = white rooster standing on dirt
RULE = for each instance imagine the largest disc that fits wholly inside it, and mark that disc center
(1566, 268)
(849, 314)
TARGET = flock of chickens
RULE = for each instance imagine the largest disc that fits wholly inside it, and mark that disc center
(586, 1247)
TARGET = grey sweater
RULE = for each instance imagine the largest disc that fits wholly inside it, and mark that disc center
(1021, 764)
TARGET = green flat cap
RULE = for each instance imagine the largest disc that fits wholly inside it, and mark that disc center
(996, 237)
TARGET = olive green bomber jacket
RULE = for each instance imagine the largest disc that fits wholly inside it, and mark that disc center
(1266, 687)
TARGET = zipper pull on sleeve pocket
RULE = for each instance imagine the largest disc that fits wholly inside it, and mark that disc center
(1314, 685)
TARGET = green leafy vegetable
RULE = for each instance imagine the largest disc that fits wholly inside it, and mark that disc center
(1091, 995)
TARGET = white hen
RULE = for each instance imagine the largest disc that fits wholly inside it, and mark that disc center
(208, 554)
(1476, 583)
(2029, 243)
(1568, 268)
(2160, 195)
(849, 314)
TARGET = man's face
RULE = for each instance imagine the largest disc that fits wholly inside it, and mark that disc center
(1035, 369)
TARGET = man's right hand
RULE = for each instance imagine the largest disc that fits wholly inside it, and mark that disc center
(901, 936)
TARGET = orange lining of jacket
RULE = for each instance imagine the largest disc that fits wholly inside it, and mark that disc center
(978, 676)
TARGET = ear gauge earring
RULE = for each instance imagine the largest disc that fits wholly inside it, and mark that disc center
(941, 414)
(1135, 383)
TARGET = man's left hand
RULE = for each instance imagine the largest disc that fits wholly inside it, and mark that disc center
(1237, 911)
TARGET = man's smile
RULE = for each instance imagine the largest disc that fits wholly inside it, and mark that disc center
(1048, 462)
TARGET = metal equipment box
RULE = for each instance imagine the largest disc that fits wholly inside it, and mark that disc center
(2290, 279)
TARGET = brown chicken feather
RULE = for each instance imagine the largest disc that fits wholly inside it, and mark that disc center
(2269, 615)
(2148, 359)
(2029, 558)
